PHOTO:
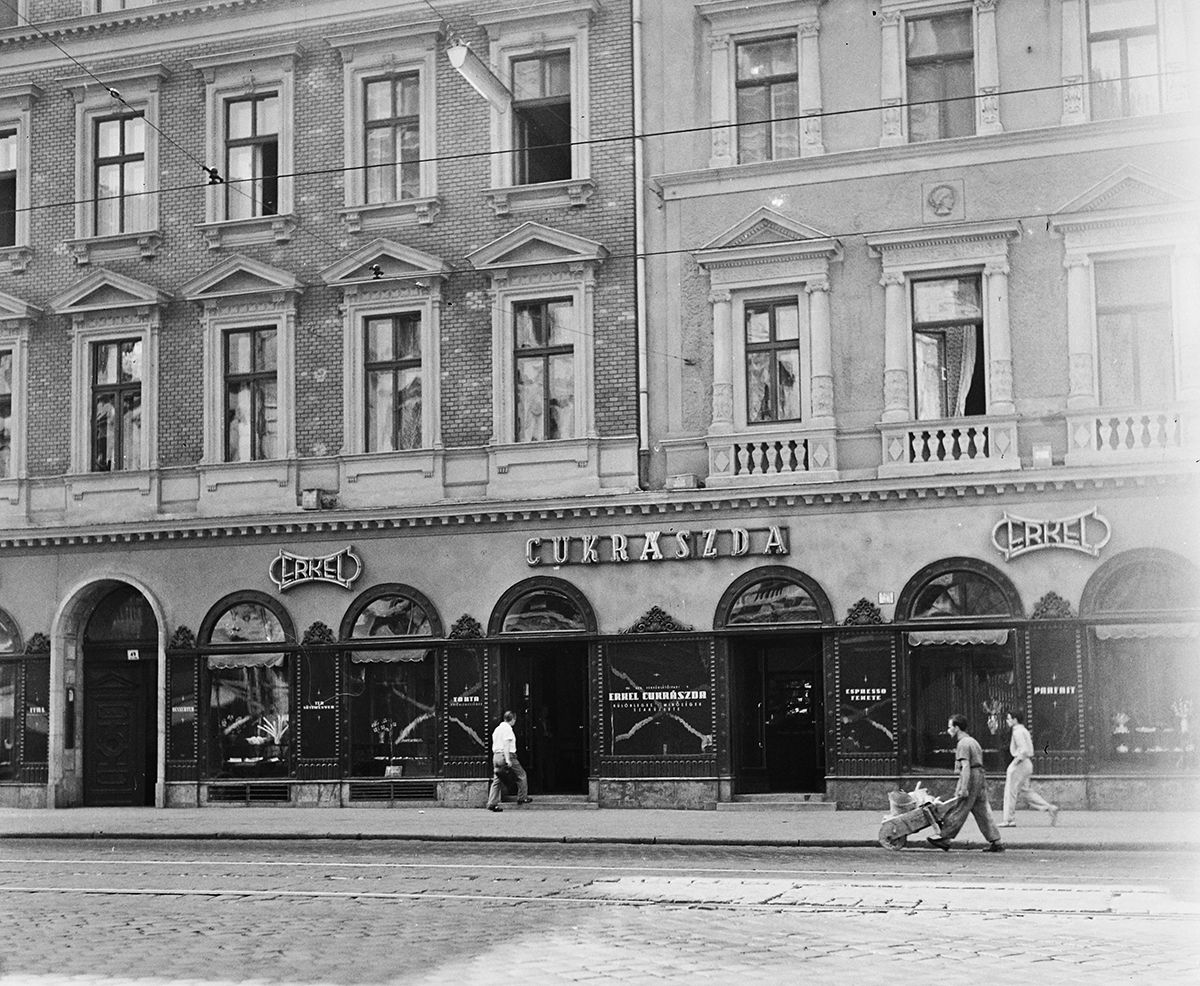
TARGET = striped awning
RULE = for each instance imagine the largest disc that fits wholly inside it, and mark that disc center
(1146, 631)
(924, 638)
(245, 660)
(388, 656)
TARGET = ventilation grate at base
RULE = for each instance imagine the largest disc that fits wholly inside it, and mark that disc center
(387, 791)
(249, 793)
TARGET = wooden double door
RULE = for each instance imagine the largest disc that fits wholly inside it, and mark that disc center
(119, 735)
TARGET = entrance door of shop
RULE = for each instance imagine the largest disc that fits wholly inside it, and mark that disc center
(777, 702)
(546, 686)
(118, 729)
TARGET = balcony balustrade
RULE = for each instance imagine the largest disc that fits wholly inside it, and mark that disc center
(769, 457)
(1115, 435)
(949, 446)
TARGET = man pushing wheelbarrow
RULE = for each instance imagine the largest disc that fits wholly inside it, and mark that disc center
(913, 812)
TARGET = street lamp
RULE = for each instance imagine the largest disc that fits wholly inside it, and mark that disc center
(482, 79)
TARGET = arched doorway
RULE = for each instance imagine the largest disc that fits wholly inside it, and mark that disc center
(967, 668)
(776, 680)
(1143, 607)
(542, 676)
(120, 714)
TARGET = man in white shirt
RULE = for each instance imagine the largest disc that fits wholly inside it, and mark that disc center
(504, 755)
(1020, 771)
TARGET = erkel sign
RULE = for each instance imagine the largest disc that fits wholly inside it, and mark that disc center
(1087, 532)
(652, 546)
(341, 568)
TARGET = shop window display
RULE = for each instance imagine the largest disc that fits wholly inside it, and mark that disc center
(544, 611)
(249, 695)
(773, 600)
(392, 693)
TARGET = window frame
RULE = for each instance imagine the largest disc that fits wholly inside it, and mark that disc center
(396, 123)
(256, 142)
(393, 366)
(7, 132)
(140, 90)
(542, 354)
(941, 59)
(937, 328)
(16, 110)
(374, 53)
(121, 160)
(522, 124)
(229, 77)
(749, 303)
(255, 377)
(16, 319)
(117, 391)
(1116, 257)
(515, 34)
(1122, 36)
(769, 83)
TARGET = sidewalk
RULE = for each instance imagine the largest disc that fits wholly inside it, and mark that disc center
(1124, 830)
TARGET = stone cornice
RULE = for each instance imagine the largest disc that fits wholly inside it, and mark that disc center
(92, 23)
(894, 493)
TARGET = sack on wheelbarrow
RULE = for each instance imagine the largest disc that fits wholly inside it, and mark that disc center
(895, 829)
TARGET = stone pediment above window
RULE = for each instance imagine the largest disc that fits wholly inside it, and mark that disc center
(777, 245)
(16, 310)
(1128, 195)
(534, 245)
(384, 261)
(241, 278)
(106, 291)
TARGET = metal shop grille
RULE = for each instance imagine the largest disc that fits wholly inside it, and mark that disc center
(248, 793)
(386, 791)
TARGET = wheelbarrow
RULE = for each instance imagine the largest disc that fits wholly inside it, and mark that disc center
(908, 817)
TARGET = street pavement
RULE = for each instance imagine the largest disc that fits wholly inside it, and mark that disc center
(529, 823)
(96, 912)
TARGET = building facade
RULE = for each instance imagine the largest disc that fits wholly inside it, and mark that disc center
(730, 412)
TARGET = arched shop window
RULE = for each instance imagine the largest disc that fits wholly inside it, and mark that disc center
(969, 669)
(1143, 674)
(24, 707)
(392, 690)
(543, 605)
(249, 688)
(772, 596)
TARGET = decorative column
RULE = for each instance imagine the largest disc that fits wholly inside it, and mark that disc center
(1186, 274)
(1072, 62)
(987, 77)
(1175, 58)
(724, 138)
(811, 141)
(1079, 332)
(722, 409)
(895, 347)
(999, 339)
(891, 95)
(821, 352)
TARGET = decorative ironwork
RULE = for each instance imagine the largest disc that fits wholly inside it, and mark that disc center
(863, 613)
(318, 633)
(657, 620)
(465, 628)
(1052, 606)
(182, 639)
(39, 643)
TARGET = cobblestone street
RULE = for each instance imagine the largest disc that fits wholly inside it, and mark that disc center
(211, 914)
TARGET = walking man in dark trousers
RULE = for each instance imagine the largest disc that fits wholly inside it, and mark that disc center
(971, 791)
(504, 757)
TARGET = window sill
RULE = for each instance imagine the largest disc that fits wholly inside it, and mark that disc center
(562, 466)
(573, 193)
(14, 259)
(405, 212)
(106, 491)
(383, 478)
(234, 233)
(143, 244)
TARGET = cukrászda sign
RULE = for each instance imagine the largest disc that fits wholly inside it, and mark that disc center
(652, 546)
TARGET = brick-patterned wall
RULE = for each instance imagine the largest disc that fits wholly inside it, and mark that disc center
(465, 223)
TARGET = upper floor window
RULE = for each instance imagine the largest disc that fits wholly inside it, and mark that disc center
(120, 175)
(772, 361)
(252, 156)
(948, 362)
(6, 412)
(251, 398)
(112, 6)
(541, 88)
(8, 187)
(1123, 58)
(116, 405)
(768, 100)
(393, 382)
(392, 137)
(1133, 331)
(939, 62)
(545, 369)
